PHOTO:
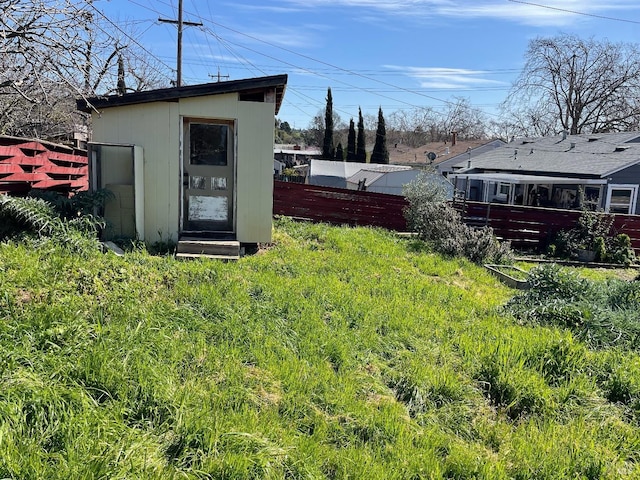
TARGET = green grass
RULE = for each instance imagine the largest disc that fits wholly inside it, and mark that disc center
(336, 353)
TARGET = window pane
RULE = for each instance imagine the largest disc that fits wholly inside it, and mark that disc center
(208, 208)
(198, 183)
(218, 183)
(621, 197)
(620, 200)
(208, 144)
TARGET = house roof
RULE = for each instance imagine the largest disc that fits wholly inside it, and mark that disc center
(368, 176)
(402, 154)
(332, 168)
(528, 179)
(594, 155)
(245, 86)
(471, 152)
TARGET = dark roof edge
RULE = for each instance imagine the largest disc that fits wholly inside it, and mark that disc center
(279, 82)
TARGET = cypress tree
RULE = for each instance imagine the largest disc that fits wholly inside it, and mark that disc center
(339, 153)
(351, 143)
(361, 153)
(380, 153)
(328, 151)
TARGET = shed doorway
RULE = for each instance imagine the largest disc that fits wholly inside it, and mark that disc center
(208, 176)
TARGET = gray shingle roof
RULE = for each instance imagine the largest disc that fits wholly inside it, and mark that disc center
(587, 155)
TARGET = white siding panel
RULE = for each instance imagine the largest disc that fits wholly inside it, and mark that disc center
(255, 171)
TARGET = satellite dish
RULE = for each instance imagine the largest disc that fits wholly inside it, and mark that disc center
(431, 156)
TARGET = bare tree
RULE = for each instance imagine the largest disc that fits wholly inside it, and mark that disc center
(459, 116)
(52, 51)
(411, 127)
(577, 85)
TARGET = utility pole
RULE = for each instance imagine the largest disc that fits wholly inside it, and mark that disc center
(219, 77)
(181, 23)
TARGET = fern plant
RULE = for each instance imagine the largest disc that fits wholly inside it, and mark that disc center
(40, 218)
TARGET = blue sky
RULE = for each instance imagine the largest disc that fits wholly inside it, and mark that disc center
(394, 54)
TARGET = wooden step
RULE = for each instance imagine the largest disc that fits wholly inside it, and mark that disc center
(200, 247)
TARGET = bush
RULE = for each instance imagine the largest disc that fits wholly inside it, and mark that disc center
(593, 232)
(601, 315)
(441, 226)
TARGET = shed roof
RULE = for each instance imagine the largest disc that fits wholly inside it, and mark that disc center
(248, 86)
(368, 176)
(596, 155)
(335, 168)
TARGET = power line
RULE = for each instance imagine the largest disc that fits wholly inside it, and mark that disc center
(565, 10)
(181, 24)
(332, 69)
(133, 40)
(307, 57)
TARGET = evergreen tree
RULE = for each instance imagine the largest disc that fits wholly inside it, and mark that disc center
(380, 153)
(339, 153)
(328, 151)
(361, 153)
(351, 143)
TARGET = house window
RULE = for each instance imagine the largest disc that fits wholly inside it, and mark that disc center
(622, 198)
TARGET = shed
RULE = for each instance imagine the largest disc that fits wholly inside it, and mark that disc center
(374, 177)
(188, 162)
(389, 179)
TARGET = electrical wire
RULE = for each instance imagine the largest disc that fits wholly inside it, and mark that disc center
(565, 10)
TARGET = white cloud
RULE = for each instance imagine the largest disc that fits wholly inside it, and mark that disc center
(447, 78)
(534, 12)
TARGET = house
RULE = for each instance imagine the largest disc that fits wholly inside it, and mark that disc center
(598, 171)
(445, 167)
(188, 162)
(28, 163)
(294, 155)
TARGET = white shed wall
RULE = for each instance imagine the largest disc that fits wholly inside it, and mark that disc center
(393, 182)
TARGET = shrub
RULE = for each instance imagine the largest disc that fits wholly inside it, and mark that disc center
(441, 226)
(620, 250)
(601, 315)
(593, 232)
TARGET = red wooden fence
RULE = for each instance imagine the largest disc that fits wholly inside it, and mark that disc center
(531, 228)
(339, 206)
(527, 228)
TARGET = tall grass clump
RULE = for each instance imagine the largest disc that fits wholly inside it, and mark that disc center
(441, 226)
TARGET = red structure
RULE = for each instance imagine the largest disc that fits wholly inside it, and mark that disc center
(27, 164)
(339, 206)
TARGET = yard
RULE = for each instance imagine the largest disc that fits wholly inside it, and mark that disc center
(332, 353)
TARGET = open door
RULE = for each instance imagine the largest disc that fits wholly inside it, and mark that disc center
(208, 167)
(119, 168)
